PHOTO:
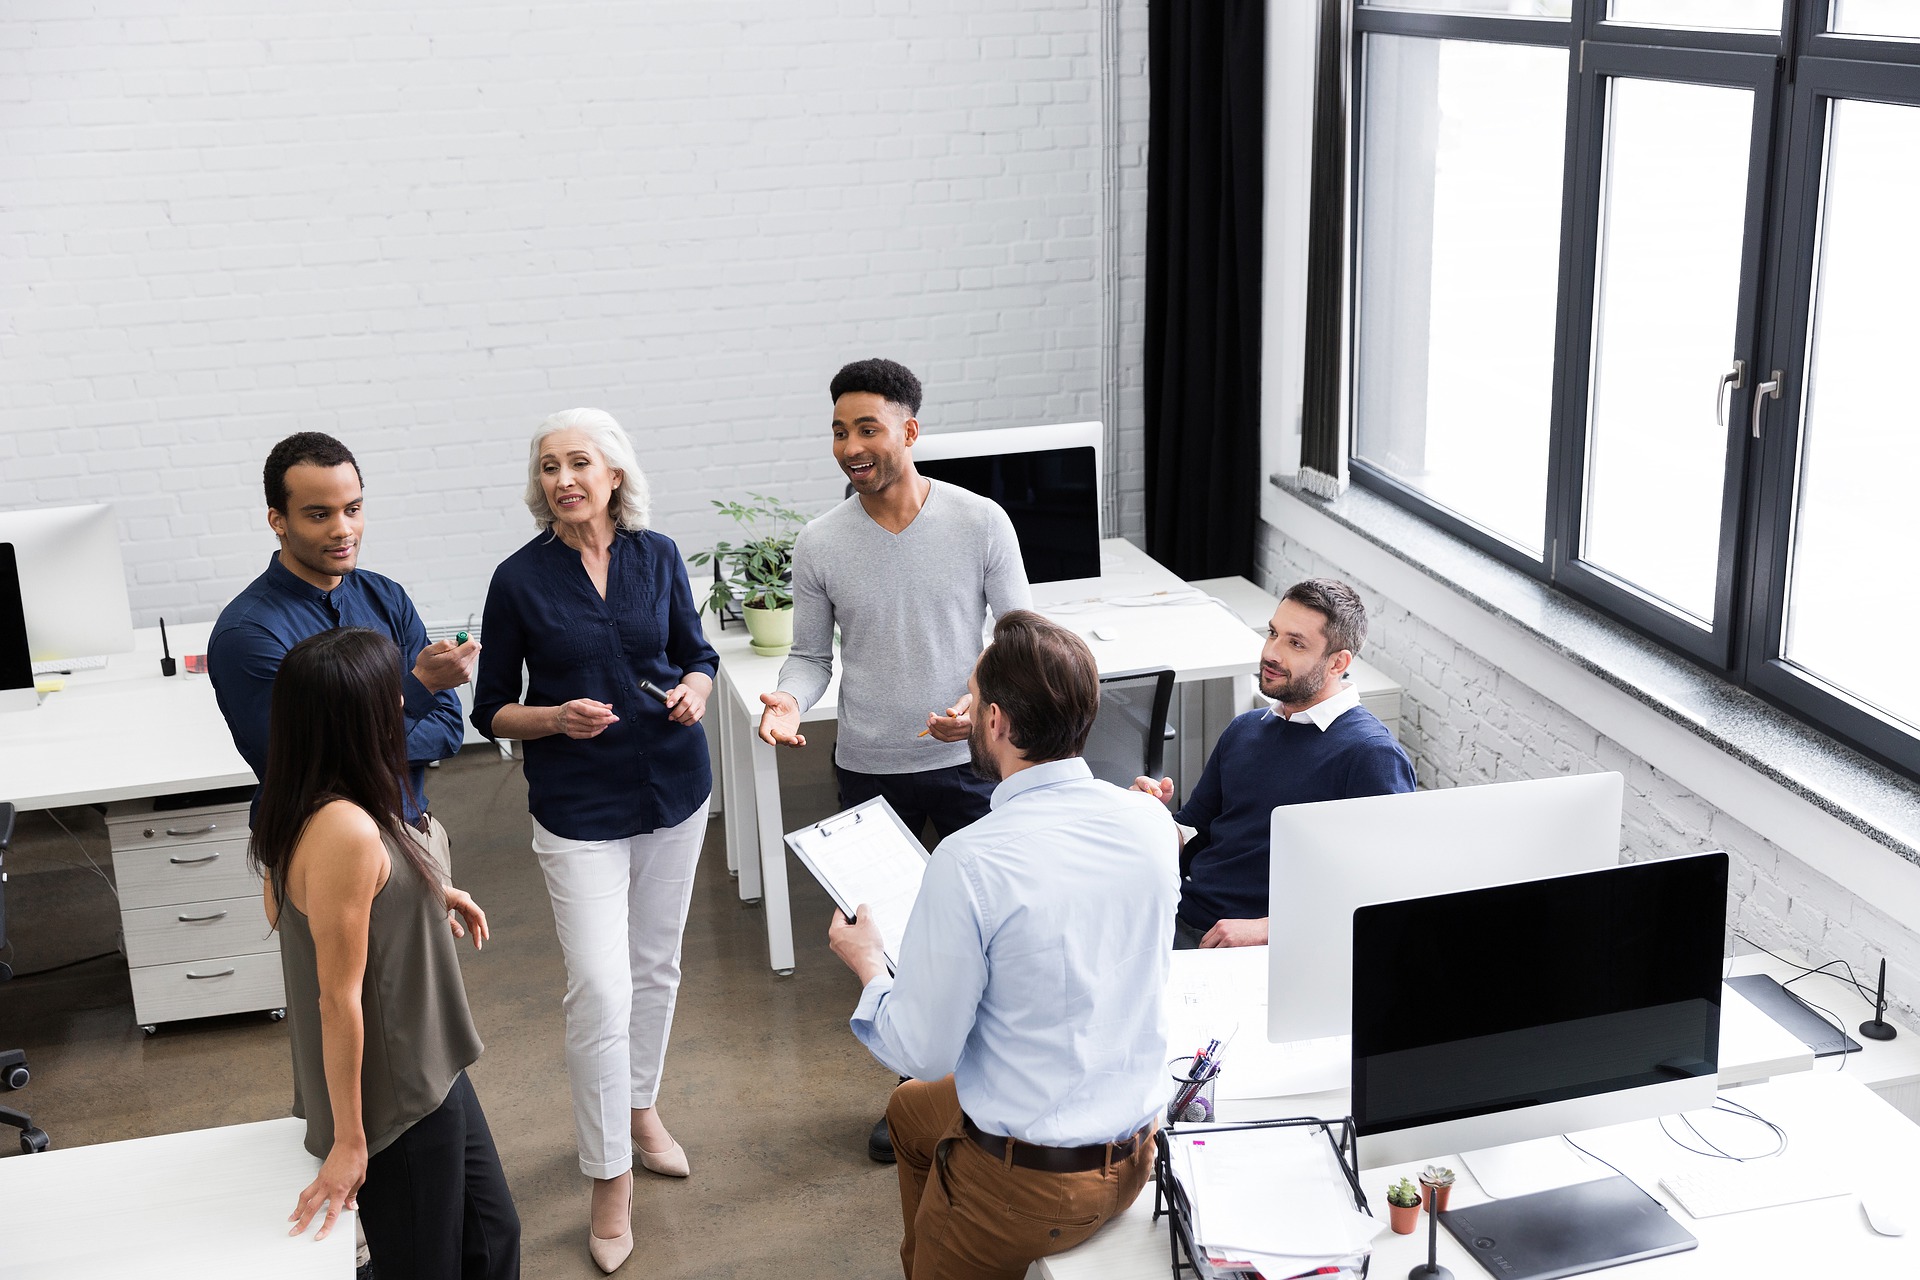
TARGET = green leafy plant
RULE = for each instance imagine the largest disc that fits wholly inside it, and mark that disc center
(759, 570)
(1437, 1175)
(1403, 1194)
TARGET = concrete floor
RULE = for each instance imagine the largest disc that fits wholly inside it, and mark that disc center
(765, 1086)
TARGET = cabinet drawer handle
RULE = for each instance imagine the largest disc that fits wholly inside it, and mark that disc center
(197, 831)
(224, 973)
(189, 862)
(218, 915)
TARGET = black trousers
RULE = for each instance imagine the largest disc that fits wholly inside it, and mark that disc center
(435, 1204)
(952, 798)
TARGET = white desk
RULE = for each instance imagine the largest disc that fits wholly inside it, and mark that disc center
(1216, 989)
(1891, 1068)
(121, 733)
(1200, 642)
(210, 1203)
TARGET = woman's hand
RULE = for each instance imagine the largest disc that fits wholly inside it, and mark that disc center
(464, 917)
(337, 1186)
(583, 718)
(686, 704)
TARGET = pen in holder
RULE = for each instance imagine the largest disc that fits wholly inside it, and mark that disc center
(1192, 1098)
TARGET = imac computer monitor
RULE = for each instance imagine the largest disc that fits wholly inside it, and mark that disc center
(1531, 1010)
(1329, 858)
(1047, 479)
(73, 586)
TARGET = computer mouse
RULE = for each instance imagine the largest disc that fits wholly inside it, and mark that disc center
(1884, 1214)
(1103, 633)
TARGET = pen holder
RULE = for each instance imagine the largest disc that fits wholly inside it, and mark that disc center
(1191, 1101)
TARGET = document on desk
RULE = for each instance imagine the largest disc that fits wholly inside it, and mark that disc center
(1221, 994)
(866, 855)
(1276, 1193)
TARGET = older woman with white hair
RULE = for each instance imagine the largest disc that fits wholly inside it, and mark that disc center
(598, 609)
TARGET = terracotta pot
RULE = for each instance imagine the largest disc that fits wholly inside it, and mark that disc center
(1436, 1197)
(1403, 1218)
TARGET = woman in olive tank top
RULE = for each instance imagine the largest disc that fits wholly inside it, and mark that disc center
(376, 1011)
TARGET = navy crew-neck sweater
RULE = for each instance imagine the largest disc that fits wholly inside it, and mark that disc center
(1260, 763)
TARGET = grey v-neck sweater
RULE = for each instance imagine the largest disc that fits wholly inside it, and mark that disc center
(912, 609)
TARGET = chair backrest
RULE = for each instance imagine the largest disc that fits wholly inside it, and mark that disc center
(1129, 734)
(6, 838)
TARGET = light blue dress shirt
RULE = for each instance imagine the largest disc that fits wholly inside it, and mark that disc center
(1035, 961)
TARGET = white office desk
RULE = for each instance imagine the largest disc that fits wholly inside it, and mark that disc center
(1209, 993)
(1200, 641)
(122, 733)
(209, 1203)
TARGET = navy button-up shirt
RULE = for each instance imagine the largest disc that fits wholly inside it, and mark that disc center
(643, 772)
(278, 610)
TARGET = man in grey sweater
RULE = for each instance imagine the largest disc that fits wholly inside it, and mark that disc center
(908, 568)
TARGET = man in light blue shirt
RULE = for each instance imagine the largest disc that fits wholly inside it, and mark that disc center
(1027, 1007)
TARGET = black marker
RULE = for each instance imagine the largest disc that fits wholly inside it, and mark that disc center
(653, 690)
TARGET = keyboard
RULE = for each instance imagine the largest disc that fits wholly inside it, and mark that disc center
(1727, 1187)
(64, 666)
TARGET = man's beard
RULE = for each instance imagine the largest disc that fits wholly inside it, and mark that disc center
(984, 766)
(1304, 687)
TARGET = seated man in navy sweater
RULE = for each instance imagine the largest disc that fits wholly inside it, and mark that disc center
(1316, 743)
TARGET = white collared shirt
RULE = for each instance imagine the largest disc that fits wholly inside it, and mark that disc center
(1325, 712)
(1035, 960)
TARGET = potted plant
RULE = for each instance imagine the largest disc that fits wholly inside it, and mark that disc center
(757, 572)
(1438, 1180)
(1403, 1207)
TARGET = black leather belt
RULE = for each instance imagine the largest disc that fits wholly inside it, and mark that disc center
(1056, 1159)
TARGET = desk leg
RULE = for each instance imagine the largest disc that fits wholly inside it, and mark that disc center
(743, 850)
(773, 854)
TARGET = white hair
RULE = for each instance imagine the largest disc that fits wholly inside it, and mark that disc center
(631, 501)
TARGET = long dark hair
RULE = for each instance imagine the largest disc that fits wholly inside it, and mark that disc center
(335, 733)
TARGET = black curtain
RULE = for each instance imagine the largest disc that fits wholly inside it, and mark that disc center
(1205, 183)
(1323, 397)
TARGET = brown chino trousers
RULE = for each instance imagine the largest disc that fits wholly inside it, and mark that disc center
(972, 1216)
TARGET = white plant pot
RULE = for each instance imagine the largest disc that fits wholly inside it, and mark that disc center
(771, 629)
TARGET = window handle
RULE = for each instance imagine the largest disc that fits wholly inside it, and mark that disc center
(1761, 394)
(1732, 381)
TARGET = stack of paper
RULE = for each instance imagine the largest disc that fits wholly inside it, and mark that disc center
(1273, 1202)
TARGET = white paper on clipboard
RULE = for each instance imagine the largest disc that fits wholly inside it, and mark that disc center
(866, 855)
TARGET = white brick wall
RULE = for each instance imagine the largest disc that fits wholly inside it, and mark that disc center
(422, 228)
(1465, 722)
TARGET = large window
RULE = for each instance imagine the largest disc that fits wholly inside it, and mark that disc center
(1634, 290)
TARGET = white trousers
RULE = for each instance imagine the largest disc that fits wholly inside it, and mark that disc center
(619, 907)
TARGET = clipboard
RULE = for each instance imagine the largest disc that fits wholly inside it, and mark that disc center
(866, 854)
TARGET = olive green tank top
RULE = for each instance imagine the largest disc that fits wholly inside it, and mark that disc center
(419, 1034)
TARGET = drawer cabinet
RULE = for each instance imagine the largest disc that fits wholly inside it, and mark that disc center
(197, 940)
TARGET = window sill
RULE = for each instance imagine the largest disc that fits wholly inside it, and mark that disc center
(1739, 752)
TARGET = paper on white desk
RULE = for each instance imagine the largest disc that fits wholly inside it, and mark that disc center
(1221, 994)
(866, 855)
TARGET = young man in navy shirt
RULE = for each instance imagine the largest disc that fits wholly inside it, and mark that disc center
(1316, 743)
(312, 584)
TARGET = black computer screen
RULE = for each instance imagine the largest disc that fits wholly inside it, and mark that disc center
(1483, 1001)
(1051, 495)
(16, 661)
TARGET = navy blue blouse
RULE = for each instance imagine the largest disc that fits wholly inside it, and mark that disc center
(643, 772)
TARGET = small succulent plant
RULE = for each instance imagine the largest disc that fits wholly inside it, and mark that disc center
(1403, 1194)
(1437, 1175)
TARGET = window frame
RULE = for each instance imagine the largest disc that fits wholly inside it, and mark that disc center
(1794, 74)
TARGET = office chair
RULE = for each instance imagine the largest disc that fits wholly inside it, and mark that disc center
(1130, 733)
(13, 1062)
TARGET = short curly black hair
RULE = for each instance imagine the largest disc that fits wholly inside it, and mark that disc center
(888, 379)
(311, 447)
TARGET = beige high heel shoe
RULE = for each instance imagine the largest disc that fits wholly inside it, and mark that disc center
(671, 1163)
(609, 1255)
